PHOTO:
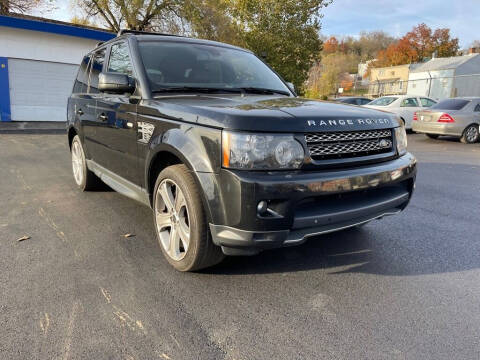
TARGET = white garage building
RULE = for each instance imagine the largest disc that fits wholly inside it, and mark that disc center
(441, 78)
(38, 63)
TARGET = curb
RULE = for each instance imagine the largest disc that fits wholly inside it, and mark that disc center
(33, 127)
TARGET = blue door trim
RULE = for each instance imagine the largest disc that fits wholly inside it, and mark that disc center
(5, 112)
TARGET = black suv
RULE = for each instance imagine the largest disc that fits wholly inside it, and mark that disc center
(231, 161)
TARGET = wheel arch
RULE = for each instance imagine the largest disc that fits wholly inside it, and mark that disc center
(71, 134)
(166, 155)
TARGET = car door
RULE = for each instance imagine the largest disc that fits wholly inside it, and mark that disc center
(476, 113)
(117, 117)
(81, 105)
(90, 121)
(408, 106)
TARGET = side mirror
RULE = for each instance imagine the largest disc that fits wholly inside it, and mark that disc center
(115, 83)
(291, 86)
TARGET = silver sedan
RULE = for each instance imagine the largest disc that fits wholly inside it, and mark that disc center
(458, 117)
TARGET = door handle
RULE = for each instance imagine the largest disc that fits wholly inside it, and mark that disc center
(103, 117)
(80, 112)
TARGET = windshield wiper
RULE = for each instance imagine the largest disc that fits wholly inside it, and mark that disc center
(193, 89)
(257, 90)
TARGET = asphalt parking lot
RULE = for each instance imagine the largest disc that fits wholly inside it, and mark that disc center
(405, 287)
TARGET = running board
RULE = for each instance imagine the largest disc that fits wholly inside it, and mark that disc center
(119, 184)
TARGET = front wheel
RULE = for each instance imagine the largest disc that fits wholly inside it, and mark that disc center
(470, 134)
(180, 221)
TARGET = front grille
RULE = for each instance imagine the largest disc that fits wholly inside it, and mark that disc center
(352, 144)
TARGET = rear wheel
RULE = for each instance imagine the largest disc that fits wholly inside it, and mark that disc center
(180, 221)
(432, 136)
(470, 134)
(84, 178)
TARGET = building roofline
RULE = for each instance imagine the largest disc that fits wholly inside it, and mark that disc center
(440, 66)
(32, 23)
(396, 66)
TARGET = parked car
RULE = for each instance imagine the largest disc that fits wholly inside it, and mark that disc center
(456, 117)
(402, 105)
(353, 100)
(231, 161)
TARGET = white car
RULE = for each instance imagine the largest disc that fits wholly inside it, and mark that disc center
(404, 106)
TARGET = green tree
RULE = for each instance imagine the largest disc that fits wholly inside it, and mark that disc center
(285, 33)
(326, 76)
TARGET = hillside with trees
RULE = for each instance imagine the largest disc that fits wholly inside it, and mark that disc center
(340, 57)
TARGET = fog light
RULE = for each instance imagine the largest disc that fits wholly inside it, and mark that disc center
(262, 207)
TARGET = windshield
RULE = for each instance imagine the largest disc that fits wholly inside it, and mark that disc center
(451, 104)
(179, 65)
(383, 101)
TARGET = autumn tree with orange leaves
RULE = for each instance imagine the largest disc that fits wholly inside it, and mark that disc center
(417, 45)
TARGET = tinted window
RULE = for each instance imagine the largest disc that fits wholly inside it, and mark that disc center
(365, 101)
(451, 104)
(95, 70)
(409, 102)
(172, 64)
(81, 81)
(119, 60)
(477, 108)
(426, 102)
(383, 101)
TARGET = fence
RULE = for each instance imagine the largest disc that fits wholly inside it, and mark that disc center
(433, 87)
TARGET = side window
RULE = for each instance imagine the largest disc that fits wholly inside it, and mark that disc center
(409, 102)
(81, 81)
(427, 102)
(477, 108)
(365, 101)
(95, 70)
(120, 59)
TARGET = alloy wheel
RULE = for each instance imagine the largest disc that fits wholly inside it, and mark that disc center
(172, 221)
(472, 134)
(77, 162)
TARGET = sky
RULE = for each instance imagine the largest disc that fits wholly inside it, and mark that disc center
(396, 17)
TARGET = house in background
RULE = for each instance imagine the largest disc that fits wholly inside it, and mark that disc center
(39, 59)
(441, 78)
(392, 80)
(362, 69)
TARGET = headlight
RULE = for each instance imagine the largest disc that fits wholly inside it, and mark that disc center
(401, 137)
(261, 151)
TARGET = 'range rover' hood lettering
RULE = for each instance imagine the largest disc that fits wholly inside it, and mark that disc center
(349, 122)
(270, 113)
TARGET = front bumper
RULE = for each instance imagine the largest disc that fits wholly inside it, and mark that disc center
(451, 129)
(302, 204)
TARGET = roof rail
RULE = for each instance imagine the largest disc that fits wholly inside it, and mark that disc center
(99, 43)
(138, 32)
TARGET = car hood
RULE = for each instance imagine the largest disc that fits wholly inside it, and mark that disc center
(267, 113)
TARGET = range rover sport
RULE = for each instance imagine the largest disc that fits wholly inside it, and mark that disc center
(230, 160)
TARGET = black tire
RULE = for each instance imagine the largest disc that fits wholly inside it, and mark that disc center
(88, 181)
(470, 134)
(201, 252)
(432, 136)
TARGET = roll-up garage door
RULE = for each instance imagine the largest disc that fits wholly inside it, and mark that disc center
(39, 90)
